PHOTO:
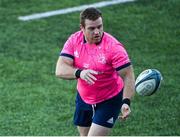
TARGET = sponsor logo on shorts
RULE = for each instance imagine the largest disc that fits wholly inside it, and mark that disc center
(110, 121)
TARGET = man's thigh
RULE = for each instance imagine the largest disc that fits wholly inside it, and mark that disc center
(83, 113)
(83, 131)
(107, 112)
(97, 130)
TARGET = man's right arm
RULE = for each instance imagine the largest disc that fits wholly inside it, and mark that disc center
(64, 68)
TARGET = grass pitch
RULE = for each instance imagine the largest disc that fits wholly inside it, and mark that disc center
(34, 102)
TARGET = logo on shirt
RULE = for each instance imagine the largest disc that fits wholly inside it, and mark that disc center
(85, 65)
(102, 59)
(76, 54)
(111, 120)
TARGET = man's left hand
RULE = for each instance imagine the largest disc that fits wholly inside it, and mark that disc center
(125, 112)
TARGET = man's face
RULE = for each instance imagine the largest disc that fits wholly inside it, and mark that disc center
(93, 30)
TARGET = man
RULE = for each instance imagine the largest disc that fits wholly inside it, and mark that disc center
(104, 73)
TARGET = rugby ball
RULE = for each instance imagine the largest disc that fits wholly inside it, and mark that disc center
(148, 82)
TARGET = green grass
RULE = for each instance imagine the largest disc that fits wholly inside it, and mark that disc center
(34, 102)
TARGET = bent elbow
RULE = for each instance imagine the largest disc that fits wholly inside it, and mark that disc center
(58, 74)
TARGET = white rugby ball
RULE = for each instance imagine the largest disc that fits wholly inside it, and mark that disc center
(148, 82)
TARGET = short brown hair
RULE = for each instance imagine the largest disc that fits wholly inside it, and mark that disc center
(91, 14)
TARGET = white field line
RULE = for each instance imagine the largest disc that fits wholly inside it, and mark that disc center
(69, 10)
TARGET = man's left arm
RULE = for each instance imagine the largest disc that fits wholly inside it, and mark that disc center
(127, 74)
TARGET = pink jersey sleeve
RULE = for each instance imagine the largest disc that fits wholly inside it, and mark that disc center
(120, 57)
(68, 49)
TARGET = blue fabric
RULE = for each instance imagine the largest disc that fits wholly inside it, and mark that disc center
(105, 113)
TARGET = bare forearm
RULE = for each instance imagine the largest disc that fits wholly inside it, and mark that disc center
(65, 72)
(65, 69)
(127, 75)
(129, 84)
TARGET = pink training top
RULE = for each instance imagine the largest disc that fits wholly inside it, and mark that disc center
(107, 57)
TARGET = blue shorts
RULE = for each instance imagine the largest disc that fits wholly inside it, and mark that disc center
(104, 113)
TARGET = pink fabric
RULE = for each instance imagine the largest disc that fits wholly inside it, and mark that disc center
(105, 58)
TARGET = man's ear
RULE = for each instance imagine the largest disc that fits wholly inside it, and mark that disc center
(81, 27)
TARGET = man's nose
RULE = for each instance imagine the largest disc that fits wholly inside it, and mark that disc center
(96, 31)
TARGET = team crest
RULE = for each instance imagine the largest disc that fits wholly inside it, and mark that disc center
(102, 59)
(85, 65)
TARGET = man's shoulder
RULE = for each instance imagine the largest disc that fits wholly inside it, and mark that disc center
(77, 34)
(112, 43)
(110, 39)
